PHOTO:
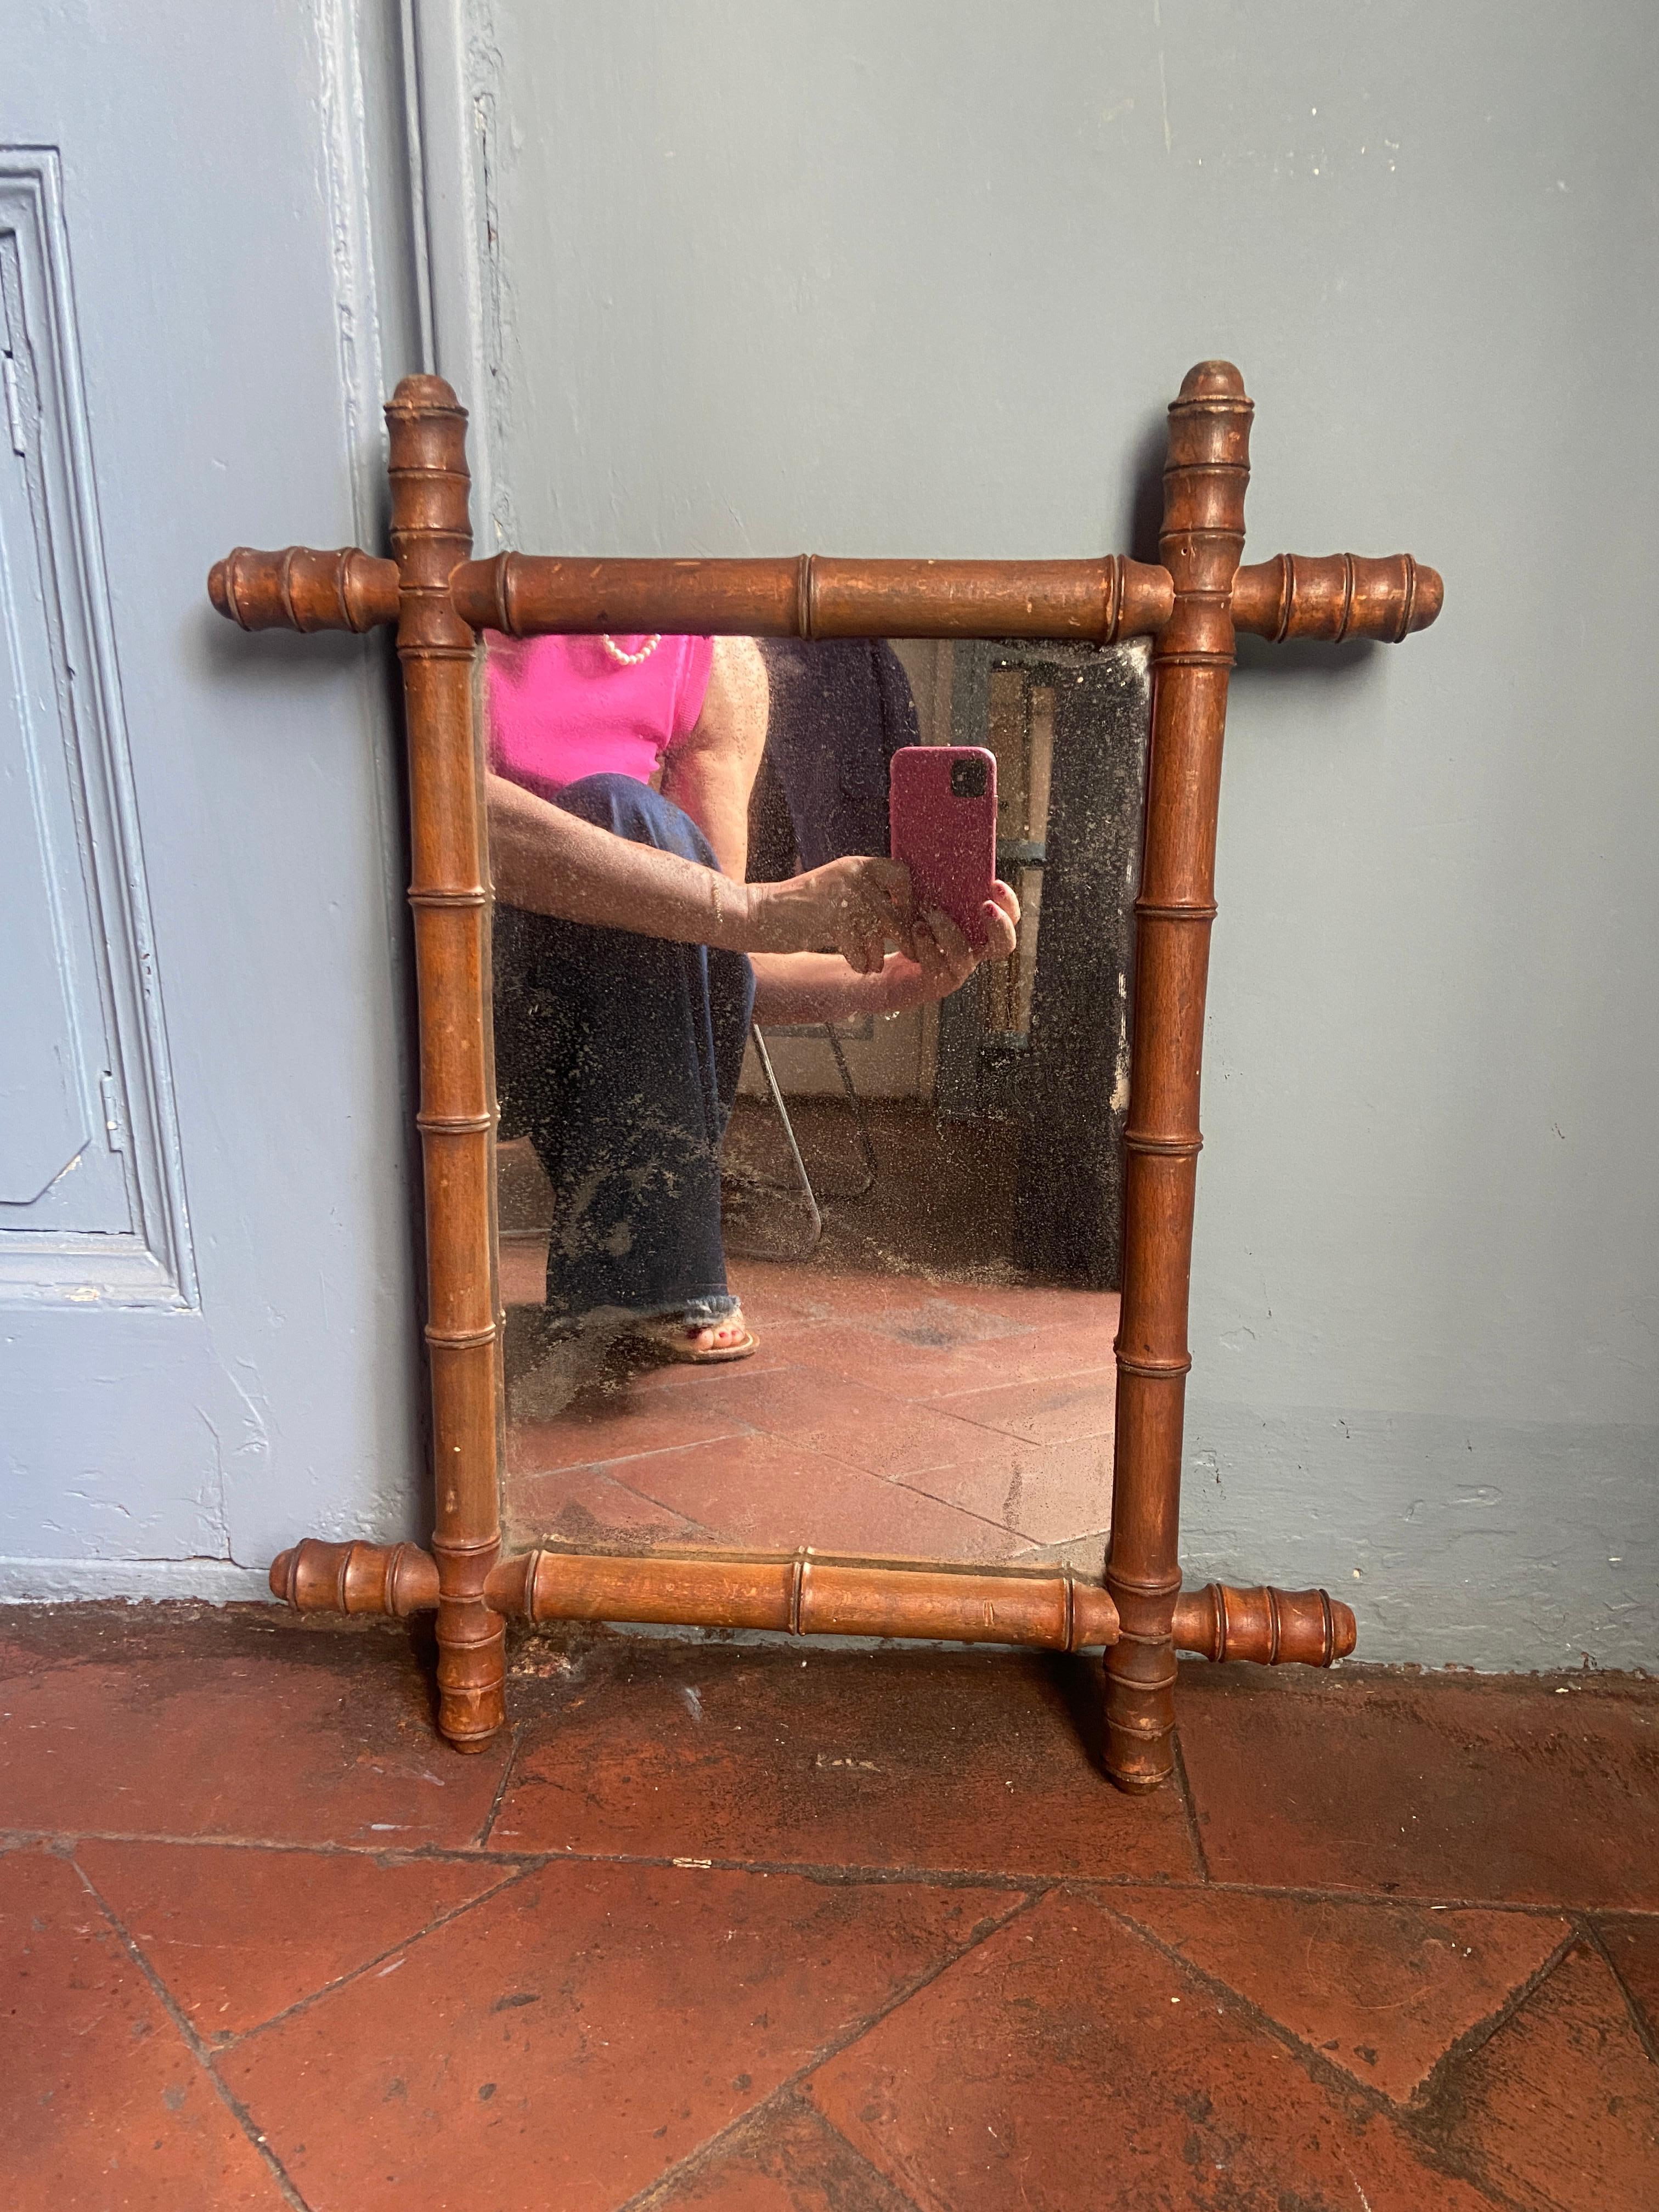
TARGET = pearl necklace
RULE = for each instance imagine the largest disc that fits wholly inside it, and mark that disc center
(630, 659)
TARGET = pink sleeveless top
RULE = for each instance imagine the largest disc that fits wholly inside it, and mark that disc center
(559, 708)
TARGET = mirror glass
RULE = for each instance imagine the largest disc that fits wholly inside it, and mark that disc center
(834, 1265)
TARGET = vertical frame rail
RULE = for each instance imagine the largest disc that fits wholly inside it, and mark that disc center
(431, 533)
(1202, 539)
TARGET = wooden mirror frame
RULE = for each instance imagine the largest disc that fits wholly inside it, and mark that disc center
(1192, 606)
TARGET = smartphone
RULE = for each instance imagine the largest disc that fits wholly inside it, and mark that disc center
(942, 818)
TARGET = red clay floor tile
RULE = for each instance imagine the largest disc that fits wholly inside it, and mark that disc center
(1056, 1409)
(769, 1493)
(572, 2038)
(105, 2104)
(1036, 1306)
(848, 1421)
(1560, 2110)
(1385, 1991)
(599, 1427)
(1633, 1947)
(523, 1271)
(894, 1375)
(266, 1729)
(583, 1505)
(788, 2159)
(1048, 1493)
(938, 1321)
(1065, 2062)
(1064, 2074)
(1442, 1788)
(914, 1307)
(1072, 1348)
(882, 1362)
(774, 1293)
(905, 1759)
(236, 1935)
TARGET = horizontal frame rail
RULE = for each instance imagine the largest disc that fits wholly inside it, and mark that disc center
(1335, 596)
(812, 596)
(808, 1592)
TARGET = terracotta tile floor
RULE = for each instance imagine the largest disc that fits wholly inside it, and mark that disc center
(743, 1930)
(883, 1413)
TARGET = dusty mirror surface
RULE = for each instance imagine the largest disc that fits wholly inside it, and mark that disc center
(903, 1219)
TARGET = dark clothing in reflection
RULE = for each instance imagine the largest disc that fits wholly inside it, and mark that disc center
(618, 1056)
(841, 708)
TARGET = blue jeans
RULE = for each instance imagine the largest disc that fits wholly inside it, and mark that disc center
(618, 1056)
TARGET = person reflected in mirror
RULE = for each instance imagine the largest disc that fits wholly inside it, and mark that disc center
(630, 957)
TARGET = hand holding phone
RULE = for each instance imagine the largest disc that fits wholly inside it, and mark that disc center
(942, 815)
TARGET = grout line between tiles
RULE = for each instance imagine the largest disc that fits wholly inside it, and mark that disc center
(1598, 1943)
(1329, 2075)
(1431, 1900)
(907, 1480)
(193, 2042)
(627, 1459)
(1183, 1783)
(900, 2196)
(847, 1872)
(695, 2159)
(508, 1765)
(1425, 2105)
(391, 1951)
(748, 2134)
(1415, 2117)
(831, 1873)
(904, 1482)
(529, 1535)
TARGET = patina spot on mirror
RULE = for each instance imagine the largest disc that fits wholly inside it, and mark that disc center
(792, 1312)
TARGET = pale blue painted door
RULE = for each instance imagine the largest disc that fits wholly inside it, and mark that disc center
(206, 1342)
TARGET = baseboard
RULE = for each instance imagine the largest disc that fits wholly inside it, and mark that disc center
(50, 1582)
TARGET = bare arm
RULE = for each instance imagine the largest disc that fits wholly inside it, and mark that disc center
(551, 862)
(710, 773)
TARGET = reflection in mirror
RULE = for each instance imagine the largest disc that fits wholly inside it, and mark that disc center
(809, 1209)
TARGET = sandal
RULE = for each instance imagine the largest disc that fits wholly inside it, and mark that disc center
(674, 1337)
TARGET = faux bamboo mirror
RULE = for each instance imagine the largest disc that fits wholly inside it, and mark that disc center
(771, 1234)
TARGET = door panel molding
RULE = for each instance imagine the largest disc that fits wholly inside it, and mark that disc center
(122, 1233)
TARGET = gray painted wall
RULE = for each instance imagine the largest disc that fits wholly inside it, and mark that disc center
(920, 279)
(218, 247)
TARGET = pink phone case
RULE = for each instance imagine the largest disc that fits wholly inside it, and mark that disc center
(945, 829)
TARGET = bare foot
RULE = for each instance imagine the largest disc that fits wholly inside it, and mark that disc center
(700, 1344)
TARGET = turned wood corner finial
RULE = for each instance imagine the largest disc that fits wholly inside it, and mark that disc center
(299, 589)
(1214, 381)
(424, 395)
(1332, 597)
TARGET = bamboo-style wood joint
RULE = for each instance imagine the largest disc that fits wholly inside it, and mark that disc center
(385, 1579)
(298, 588)
(1177, 910)
(1270, 1627)
(1169, 1148)
(1336, 596)
(1155, 1371)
